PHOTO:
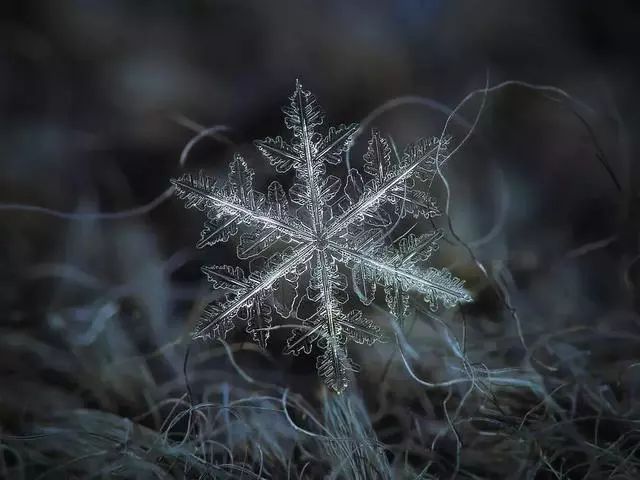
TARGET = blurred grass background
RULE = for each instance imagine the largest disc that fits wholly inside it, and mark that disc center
(100, 281)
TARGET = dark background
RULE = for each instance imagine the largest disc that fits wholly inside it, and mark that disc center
(98, 99)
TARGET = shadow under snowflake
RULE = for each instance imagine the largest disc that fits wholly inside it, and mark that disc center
(331, 225)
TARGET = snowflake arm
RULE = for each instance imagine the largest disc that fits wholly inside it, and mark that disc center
(247, 292)
(390, 184)
(436, 285)
(330, 327)
(312, 190)
(333, 363)
(235, 203)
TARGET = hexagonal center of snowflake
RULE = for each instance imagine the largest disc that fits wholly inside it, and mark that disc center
(322, 242)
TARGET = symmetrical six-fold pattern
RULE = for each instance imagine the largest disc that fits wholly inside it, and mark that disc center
(330, 225)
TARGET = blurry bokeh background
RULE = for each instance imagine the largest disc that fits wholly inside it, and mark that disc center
(100, 280)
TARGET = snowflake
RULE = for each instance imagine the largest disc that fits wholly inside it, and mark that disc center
(329, 226)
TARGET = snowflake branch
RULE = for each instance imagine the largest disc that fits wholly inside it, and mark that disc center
(187, 187)
(371, 199)
(334, 363)
(354, 325)
(312, 190)
(301, 256)
(337, 141)
(444, 286)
